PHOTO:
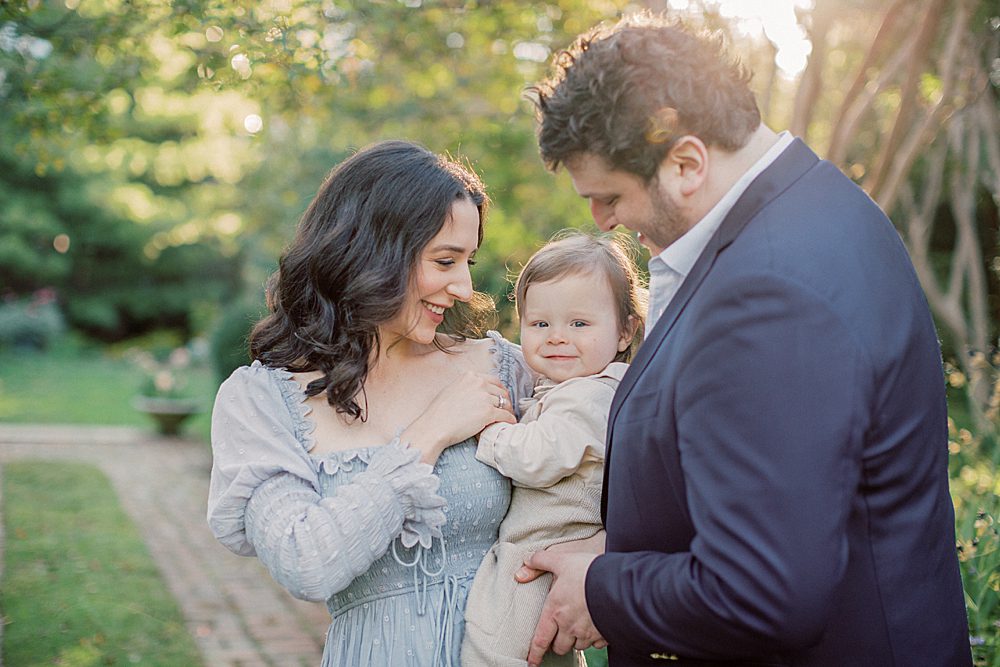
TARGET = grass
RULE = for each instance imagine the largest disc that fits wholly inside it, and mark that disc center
(78, 384)
(79, 587)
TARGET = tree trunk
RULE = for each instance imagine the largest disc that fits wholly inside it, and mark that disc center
(811, 84)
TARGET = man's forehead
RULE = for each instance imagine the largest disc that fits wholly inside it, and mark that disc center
(586, 162)
(593, 175)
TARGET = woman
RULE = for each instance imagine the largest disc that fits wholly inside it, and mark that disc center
(324, 446)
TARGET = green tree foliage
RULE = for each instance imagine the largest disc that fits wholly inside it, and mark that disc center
(103, 168)
(331, 78)
(145, 112)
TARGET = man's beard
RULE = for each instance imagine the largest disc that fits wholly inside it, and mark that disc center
(667, 222)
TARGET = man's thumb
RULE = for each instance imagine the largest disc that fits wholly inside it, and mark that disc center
(535, 565)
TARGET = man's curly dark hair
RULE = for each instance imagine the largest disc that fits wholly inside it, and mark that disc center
(627, 92)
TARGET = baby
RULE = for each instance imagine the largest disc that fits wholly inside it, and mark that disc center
(580, 305)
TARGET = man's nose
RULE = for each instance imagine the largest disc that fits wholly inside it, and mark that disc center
(601, 213)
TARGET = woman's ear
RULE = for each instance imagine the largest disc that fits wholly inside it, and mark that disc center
(685, 166)
(628, 333)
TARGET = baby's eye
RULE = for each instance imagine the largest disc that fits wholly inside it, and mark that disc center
(578, 323)
(539, 325)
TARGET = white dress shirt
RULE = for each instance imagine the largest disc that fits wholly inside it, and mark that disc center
(668, 270)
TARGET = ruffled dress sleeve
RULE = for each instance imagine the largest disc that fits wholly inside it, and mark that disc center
(513, 371)
(264, 496)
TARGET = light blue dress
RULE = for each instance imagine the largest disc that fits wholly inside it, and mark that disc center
(391, 545)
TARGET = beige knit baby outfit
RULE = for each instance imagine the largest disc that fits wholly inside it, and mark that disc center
(555, 458)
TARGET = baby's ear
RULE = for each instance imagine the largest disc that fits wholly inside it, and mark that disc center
(628, 333)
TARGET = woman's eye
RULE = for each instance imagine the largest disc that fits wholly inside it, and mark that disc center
(472, 262)
(445, 262)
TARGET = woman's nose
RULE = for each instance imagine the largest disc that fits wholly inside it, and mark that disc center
(461, 286)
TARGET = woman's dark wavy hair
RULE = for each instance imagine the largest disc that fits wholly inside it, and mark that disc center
(351, 264)
(626, 93)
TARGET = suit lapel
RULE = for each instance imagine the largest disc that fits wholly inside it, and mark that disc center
(793, 162)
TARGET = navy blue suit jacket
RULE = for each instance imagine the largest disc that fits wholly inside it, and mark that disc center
(776, 487)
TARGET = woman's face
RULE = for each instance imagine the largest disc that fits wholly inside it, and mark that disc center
(440, 278)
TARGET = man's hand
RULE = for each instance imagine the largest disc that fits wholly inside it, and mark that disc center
(593, 544)
(565, 623)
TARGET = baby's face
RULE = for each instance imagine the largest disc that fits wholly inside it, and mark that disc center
(569, 326)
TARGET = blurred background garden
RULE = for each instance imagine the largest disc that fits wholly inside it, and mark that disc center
(155, 157)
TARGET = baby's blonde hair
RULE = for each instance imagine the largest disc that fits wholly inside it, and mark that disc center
(572, 252)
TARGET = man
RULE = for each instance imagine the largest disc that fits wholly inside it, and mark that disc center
(776, 486)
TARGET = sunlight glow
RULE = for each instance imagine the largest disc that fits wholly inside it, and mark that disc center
(776, 18)
(772, 18)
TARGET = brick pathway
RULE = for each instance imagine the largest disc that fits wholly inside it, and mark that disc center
(236, 614)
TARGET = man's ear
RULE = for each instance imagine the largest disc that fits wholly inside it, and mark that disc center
(685, 166)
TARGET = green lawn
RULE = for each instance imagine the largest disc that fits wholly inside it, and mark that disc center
(75, 384)
(79, 587)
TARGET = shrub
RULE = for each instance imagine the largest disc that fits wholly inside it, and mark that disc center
(975, 483)
(228, 343)
(32, 323)
(116, 276)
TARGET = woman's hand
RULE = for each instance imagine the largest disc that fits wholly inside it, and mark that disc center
(459, 411)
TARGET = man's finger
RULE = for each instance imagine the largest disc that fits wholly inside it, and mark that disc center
(542, 560)
(527, 574)
(544, 634)
(563, 643)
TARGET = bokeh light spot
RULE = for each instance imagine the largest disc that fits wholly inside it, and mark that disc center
(253, 123)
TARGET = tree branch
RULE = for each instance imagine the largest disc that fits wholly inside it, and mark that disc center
(847, 116)
(907, 99)
(896, 165)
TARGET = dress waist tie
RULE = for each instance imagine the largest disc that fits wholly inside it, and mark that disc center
(445, 621)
